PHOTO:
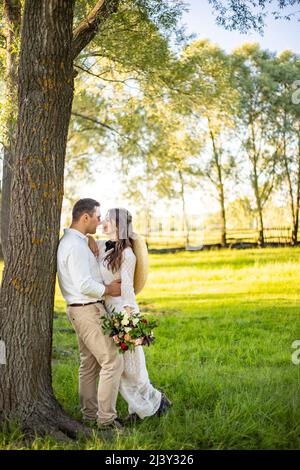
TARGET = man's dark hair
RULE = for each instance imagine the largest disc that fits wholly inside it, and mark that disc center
(84, 206)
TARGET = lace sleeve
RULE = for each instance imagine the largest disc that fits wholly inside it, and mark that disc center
(101, 246)
(127, 276)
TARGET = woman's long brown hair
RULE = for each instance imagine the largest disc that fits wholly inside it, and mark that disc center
(115, 257)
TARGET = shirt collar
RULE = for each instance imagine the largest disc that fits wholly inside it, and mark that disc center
(75, 232)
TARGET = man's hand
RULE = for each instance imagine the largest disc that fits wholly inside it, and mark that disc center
(113, 289)
(93, 246)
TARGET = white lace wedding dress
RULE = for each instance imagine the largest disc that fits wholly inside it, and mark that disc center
(135, 387)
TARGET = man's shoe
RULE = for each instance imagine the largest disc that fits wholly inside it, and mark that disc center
(116, 424)
(165, 405)
(131, 419)
(91, 423)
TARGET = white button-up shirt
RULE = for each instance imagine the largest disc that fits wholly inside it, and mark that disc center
(79, 275)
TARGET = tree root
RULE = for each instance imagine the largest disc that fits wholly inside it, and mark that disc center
(49, 420)
(60, 426)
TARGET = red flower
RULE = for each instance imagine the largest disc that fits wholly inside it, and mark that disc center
(144, 321)
(123, 346)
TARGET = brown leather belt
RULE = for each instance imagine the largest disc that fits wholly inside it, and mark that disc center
(83, 305)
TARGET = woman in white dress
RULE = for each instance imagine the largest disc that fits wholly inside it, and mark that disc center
(117, 261)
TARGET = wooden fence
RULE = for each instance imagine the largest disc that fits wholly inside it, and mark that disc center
(212, 237)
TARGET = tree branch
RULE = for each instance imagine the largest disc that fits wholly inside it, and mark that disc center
(101, 77)
(88, 28)
(96, 121)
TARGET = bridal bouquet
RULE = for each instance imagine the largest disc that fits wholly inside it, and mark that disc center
(129, 331)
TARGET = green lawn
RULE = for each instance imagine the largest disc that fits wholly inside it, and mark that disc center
(227, 320)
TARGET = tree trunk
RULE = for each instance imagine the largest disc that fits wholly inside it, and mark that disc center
(296, 220)
(27, 293)
(289, 182)
(220, 188)
(261, 240)
(253, 158)
(148, 225)
(12, 12)
(223, 216)
(148, 202)
(185, 217)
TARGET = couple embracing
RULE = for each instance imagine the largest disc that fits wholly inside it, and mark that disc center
(96, 278)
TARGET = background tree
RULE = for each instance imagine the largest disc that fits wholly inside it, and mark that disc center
(286, 118)
(211, 98)
(255, 86)
(161, 144)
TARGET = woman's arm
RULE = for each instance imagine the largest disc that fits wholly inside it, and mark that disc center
(127, 277)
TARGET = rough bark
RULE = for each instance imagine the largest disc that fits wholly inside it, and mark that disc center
(12, 18)
(27, 293)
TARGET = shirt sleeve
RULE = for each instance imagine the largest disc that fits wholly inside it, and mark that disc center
(80, 273)
(127, 276)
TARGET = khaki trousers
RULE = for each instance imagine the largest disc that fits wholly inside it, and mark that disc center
(99, 357)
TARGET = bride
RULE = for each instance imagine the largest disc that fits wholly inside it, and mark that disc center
(117, 261)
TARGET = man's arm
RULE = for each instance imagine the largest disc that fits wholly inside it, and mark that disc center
(113, 289)
(79, 271)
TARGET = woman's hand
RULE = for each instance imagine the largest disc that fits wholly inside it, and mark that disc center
(93, 246)
(139, 341)
(129, 310)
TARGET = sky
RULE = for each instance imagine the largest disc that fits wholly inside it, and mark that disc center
(278, 35)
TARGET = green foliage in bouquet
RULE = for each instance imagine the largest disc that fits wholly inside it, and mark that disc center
(129, 331)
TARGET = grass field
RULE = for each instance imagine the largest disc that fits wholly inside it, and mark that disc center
(227, 321)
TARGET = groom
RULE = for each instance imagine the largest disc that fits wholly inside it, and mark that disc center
(82, 287)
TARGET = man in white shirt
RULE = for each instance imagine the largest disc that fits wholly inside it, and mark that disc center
(83, 289)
